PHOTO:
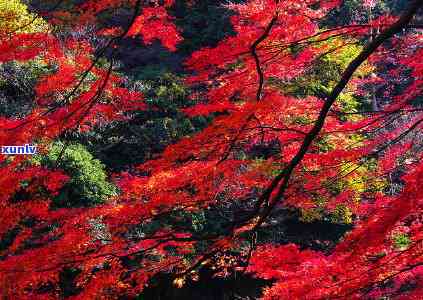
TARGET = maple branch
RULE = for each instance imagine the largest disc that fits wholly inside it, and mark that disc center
(379, 112)
(260, 74)
(137, 9)
(91, 102)
(282, 180)
(271, 128)
(98, 56)
(235, 139)
(392, 260)
(360, 162)
(253, 50)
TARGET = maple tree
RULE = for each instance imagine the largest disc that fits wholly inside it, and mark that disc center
(287, 131)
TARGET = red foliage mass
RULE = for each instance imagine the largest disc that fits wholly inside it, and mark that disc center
(199, 171)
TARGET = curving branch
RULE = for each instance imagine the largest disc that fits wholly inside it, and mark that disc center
(253, 50)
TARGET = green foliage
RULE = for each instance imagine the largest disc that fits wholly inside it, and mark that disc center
(326, 72)
(203, 222)
(401, 241)
(311, 215)
(124, 143)
(88, 183)
(166, 92)
(342, 215)
(324, 144)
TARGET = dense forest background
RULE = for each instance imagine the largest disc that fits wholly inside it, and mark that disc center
(126, 205)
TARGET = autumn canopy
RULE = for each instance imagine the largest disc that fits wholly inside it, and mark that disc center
(291, 112)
